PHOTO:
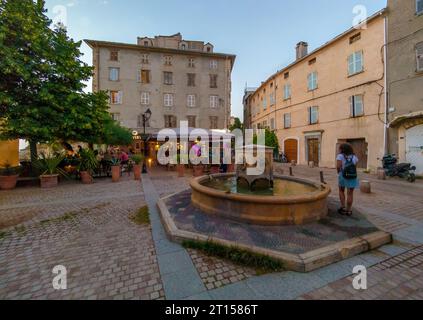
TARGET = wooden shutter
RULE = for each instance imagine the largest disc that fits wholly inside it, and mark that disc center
(419, 52)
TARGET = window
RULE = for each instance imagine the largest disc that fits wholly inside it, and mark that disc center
(191, 79)
(214, 101)
(272, 124)
(272, 99)
(168, 100)
(264, 125)
(183, 46)
(419, 53)
(144, 76)
(115, 97)
(114, 55)
(286, 75)
(168, 77)
(191, 100)
(214, 122)
(313, 115)
(146, 43)
(115, 116)
(287, 120)
(264, 103)
(145, 98)
(287, 91)
(312, 61)
(144, 58)
(168, 60)
(213, 81)
(191, 62)
(191, 121)
(312, 81)
(355, 63)
(419, 6)
(213, 64)
(170, 121)
(114, 74)
(356, 105)
(355, 38)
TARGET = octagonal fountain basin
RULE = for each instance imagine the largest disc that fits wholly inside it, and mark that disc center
(291, 201)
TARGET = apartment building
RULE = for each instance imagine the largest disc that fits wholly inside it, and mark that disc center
(175, 79)
(332, 95)
(405, 80)
(246, 102)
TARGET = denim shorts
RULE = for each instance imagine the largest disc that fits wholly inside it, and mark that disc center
(347, 183)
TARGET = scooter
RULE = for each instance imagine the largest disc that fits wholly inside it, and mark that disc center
(402, 170)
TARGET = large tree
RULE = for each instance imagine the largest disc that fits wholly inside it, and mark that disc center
(42, 79)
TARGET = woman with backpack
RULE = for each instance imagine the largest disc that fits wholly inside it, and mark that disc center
(346, 164)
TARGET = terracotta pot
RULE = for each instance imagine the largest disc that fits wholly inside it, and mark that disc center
(49, 180)
(86, 178)
(198, 170)
(137, 171)
(214, 170)
(115, 173)
(8, 182)
(181, 170)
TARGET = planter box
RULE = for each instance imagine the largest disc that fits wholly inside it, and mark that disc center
(49, 181)
(8, 182)
(137, 171)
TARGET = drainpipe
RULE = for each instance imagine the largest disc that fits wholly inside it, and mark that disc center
(385, 58)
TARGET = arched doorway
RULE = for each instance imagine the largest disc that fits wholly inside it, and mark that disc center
(414, 147)
(291, 149)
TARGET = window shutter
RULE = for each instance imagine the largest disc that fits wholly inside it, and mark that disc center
(419, 51)
(351, 100)
(120, 94)
(139, 75)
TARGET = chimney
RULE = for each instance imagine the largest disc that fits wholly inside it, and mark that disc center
(302, 50)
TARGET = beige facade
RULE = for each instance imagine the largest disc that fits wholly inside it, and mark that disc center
(334, 94)
(176, 79)
(405, 80)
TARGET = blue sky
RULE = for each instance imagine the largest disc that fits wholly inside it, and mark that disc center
(262, 33)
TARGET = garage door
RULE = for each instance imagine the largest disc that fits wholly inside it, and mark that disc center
(291, 150)
(414, 147)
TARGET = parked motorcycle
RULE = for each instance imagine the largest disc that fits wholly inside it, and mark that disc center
(402, 170)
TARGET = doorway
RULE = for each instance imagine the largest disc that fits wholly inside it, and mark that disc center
(291, 150)
(313, 150)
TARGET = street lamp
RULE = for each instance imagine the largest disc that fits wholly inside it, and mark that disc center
(145, 117)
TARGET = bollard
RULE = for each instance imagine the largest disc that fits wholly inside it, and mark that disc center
(381, 175)
(322, 178)
(365, 187)
(290, 172)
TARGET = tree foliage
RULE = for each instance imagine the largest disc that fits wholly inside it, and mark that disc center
(271, 140)
(115, 134)
(237, 125)
(42, 79)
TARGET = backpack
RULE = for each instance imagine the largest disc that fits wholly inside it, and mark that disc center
(350, 170)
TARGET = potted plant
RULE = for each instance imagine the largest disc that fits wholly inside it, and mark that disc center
(138, 159)
(115, 164)
(87, 165)
(49, 166)
(8, 176)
